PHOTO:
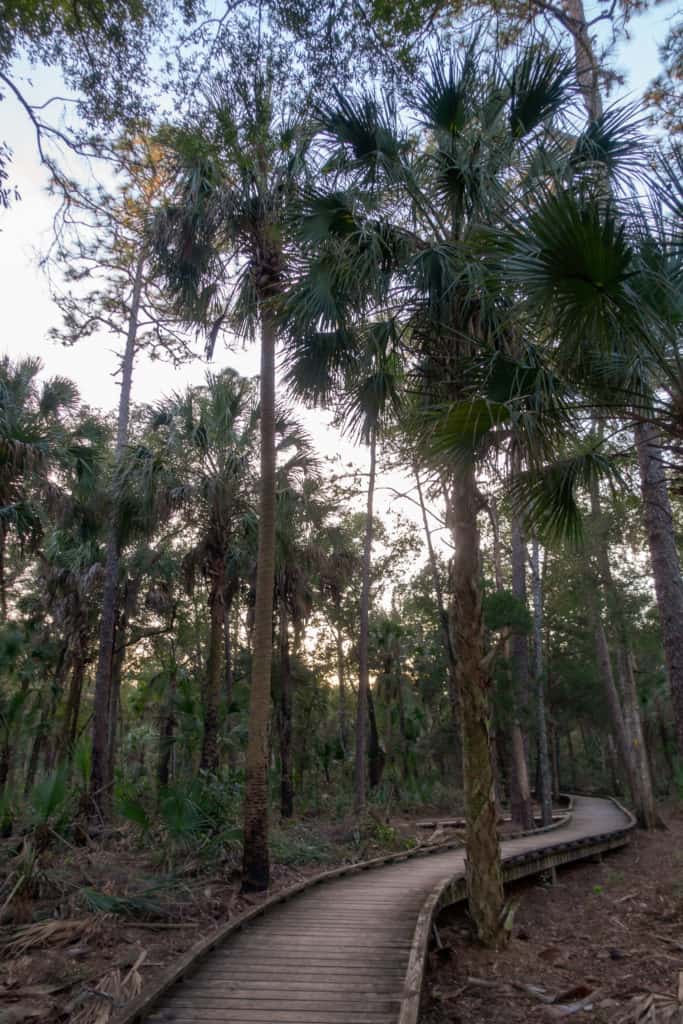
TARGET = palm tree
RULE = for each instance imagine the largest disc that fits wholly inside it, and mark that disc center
(300, 514)
(36, 433)
(221, 244)
(207, 437)
(420, 229)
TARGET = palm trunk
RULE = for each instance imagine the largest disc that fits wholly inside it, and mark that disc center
(167, 730)
(130, 592)
(666, 566)
(256, 865)
(285, 718)
(228, 677)
(484, 881)
(375, 752)
(522, 811)
(364, 638)
(100, 782)
(73, 705)
(545, 793)
(446, 635)
(209, 760)
(341, 682)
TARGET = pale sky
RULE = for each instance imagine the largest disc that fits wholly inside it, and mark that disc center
(27, 312)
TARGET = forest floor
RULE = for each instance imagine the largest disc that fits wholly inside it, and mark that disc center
(91, 926)
(604, 944)
(83, 929)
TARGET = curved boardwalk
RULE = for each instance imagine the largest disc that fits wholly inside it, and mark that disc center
(340, 953)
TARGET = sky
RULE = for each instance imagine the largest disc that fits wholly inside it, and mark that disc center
(25, 232)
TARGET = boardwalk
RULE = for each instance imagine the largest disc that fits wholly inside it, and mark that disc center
(340, 953)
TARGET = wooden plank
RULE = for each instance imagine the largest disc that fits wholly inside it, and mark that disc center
(351, 978)
(307, 1001)
(281, 1016)
(312, 984)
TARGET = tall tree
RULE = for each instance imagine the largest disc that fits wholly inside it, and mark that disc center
(207, 437)
(108, 252)
(432, 203)
(222, 243)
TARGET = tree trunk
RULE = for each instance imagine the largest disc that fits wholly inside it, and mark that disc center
(522, 811)
(364, 638)
(47, 717)
(375, 753)
(167, 730)
(341, 682)
(646, 810)
(641, 782)
(545, 794)
(586, 62)
(446, 634)
(484, 880)
(229, 677)
(130, 593)
(3, 574)
(613, 702)
(555, 762)
(665, 740)
(5, 762)
(256, 862)
(73, 703)
(209, 760)
(572, 758)
(100, 782)
(666, 566)
(285, 717)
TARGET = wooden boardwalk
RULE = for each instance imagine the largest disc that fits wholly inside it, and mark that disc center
(347, 952)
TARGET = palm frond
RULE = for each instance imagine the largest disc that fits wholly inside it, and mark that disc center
(574, 260)
(363, 127)
(614, 148)
(540, 84)
(446, 98)
(547, 498)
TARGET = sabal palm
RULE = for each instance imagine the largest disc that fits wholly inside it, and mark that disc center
(620, 334)
(36, 435)
(301, 513)
(417, 226)
(222, 244)
(207, 437)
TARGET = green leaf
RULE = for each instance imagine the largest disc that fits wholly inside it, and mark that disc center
(133, 810)
(539, 86)
(328, 216)
(464, 423)
(547, 497)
